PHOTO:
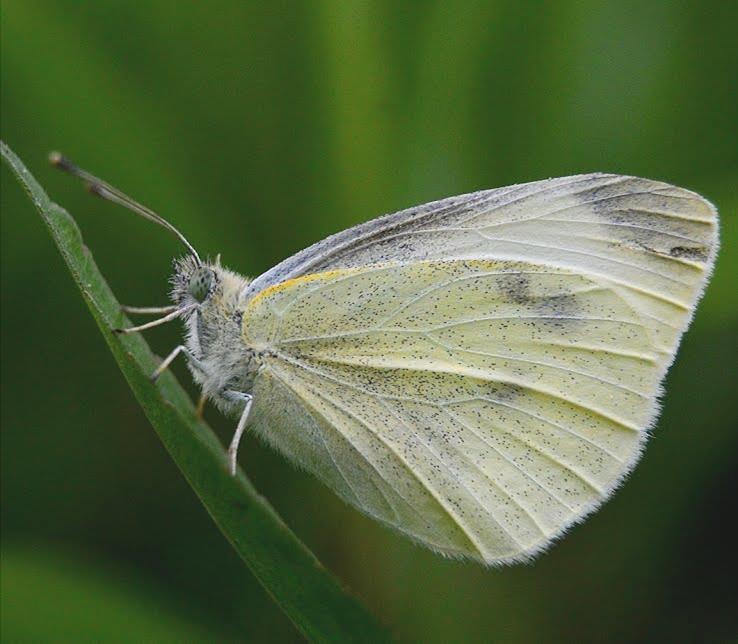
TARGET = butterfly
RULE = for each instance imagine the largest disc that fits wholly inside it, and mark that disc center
(479, 372)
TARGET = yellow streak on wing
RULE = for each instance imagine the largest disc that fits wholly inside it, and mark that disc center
(296, 282)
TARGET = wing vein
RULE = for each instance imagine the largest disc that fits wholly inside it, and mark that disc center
(552, 365)
(551, 458)
(358, 451)
(477, 204)
(612, 224)
(455, 417)
(593, 256)
(658, 296)
(546, 214)
(593, 349)
(530, 414)
(448, 511)
(468, 374)
(526, 195)
(487, 318)
(463, 278)
(451, 472)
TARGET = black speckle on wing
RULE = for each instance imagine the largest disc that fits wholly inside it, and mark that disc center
(689, 252)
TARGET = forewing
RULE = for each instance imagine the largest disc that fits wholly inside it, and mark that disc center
(625, 228)
(479, 373)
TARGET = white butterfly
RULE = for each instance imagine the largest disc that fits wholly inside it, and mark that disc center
(479, 372)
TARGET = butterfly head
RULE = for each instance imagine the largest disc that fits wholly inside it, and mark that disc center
(209, 297)
(205, 295)
(194, 283)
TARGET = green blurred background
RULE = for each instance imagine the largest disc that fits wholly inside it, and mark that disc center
(259, 128)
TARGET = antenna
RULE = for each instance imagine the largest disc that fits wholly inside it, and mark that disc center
(106, 191)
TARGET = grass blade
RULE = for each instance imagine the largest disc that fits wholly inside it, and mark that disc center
(308, 594)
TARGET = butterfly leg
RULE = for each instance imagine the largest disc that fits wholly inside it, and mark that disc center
(148, 310)
(233, 447)
(170, 358)
(173, 315)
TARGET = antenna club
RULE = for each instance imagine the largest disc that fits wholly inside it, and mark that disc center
(55, 158)
(58, 160)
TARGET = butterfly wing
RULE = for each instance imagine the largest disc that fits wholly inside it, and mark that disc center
(584, 222)
(480, 373)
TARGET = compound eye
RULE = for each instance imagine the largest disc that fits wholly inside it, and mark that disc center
(201, 283)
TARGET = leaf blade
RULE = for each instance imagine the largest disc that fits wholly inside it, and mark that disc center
(310, 596)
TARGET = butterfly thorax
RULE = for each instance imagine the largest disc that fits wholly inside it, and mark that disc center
(213, 331)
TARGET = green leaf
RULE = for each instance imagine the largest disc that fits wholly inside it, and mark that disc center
(308, 594)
